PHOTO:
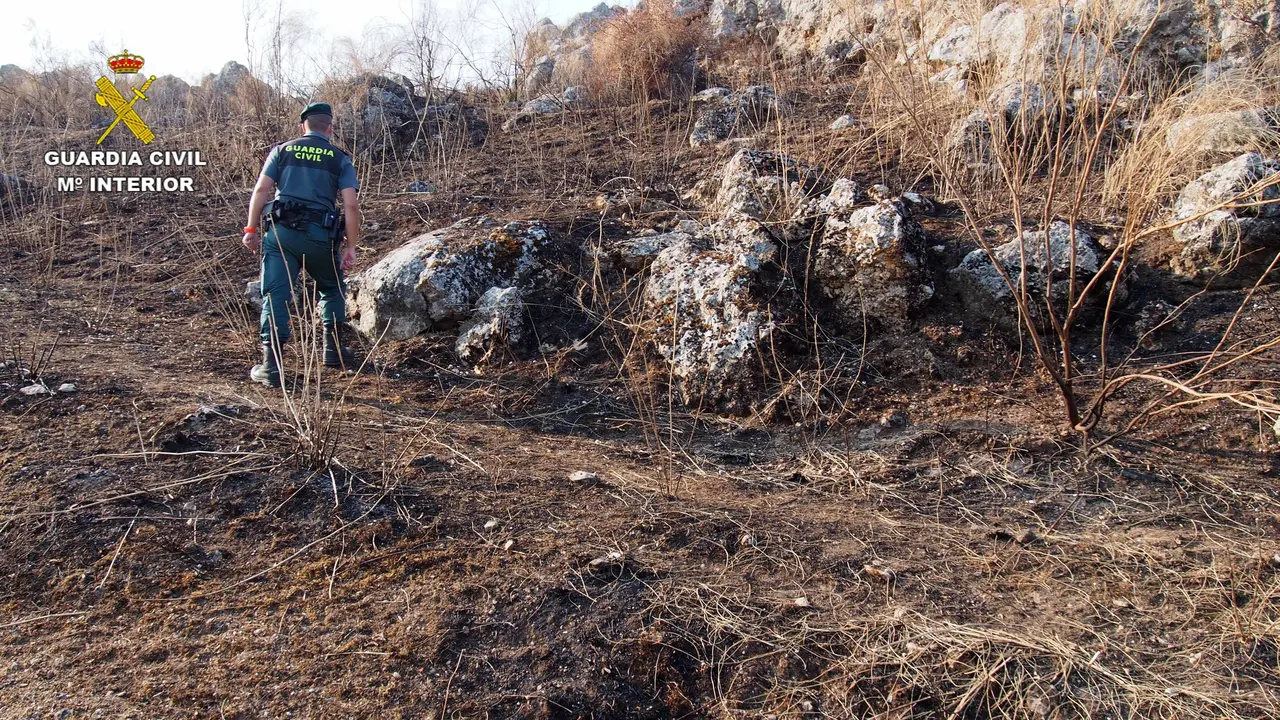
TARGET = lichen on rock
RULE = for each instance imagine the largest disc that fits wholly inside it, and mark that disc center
(710, 318)
(434, 280)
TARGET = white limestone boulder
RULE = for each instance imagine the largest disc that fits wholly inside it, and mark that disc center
(434, 281)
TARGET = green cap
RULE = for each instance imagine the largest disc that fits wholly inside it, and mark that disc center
(316, 109)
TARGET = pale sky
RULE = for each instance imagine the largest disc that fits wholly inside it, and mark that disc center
(192, 38)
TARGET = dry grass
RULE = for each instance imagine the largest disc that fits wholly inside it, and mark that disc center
(646, 54)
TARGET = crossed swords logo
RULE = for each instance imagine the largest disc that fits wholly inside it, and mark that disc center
(109, 96)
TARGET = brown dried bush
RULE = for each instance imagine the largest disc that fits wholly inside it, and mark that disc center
(645, 54)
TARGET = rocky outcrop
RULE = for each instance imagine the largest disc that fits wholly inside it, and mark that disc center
(434, 280)
(228, 79)
(638, 253)
(548, 104)
(171, 96)
(871, 260)
(970, 139)
(585, 24)
(710, 312)
(1226, 214)
(382, 113)
(498, 325)
(728, 114)
(1234, 131)
(539, 76)
(766, 186)
(1047, 256)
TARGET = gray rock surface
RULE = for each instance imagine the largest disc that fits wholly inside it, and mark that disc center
(765, 186)
(871, 262)
(547, 104)
(498, 324)
(230, 77)
(970, 139)
(540, 76)
(710, 318)
(253, 293)
(986, 295)
(1213, 236)
(434, 280)
(1233, 131)
(639, 252)
(734, 114)
(844, 122)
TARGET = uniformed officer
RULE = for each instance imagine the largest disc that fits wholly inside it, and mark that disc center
(299, 185)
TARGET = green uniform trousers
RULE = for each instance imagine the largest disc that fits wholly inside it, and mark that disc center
(286, 251)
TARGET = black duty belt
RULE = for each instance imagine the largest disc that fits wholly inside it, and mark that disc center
(296, 216)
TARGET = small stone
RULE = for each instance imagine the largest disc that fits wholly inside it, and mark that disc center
(1121, 603)
(67, 388)
(490, 524)
(508, 545)
(802, 602)
(421, 186)
(1025, 537)
(688, 226)
(36, 389)
(1275, 559)
(253, 293)
(582, 476)
(844, 122)
(747, 540)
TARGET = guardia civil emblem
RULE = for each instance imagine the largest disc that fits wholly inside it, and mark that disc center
(109, 96)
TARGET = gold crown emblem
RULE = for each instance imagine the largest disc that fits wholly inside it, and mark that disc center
(125, 63)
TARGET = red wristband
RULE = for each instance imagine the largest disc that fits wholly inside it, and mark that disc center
(251, 230)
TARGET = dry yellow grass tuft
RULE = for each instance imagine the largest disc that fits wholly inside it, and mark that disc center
(645, 54)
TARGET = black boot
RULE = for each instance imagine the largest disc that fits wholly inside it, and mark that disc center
(335, 355)
(268, 371)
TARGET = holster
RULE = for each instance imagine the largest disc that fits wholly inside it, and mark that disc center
(293, 215)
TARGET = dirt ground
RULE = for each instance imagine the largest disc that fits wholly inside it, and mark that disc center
(168, 550)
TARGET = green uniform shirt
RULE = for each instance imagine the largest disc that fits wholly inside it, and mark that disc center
(310, 169)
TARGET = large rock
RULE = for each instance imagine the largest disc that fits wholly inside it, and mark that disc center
(497, 325)
(547, 104)
(871, 261)
(765, 186)
(1226, 214)
(539, 76)
(971, 140)
(383, 113)
(585, 24)
(171, 96)
(710, 314)
(229, 78)
(1047, 256)
(732, 18)
(434, 280)
(638, 253)
(1233, 131)
(731, 114)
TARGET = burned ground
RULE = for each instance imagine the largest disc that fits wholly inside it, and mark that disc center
(937, 548)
